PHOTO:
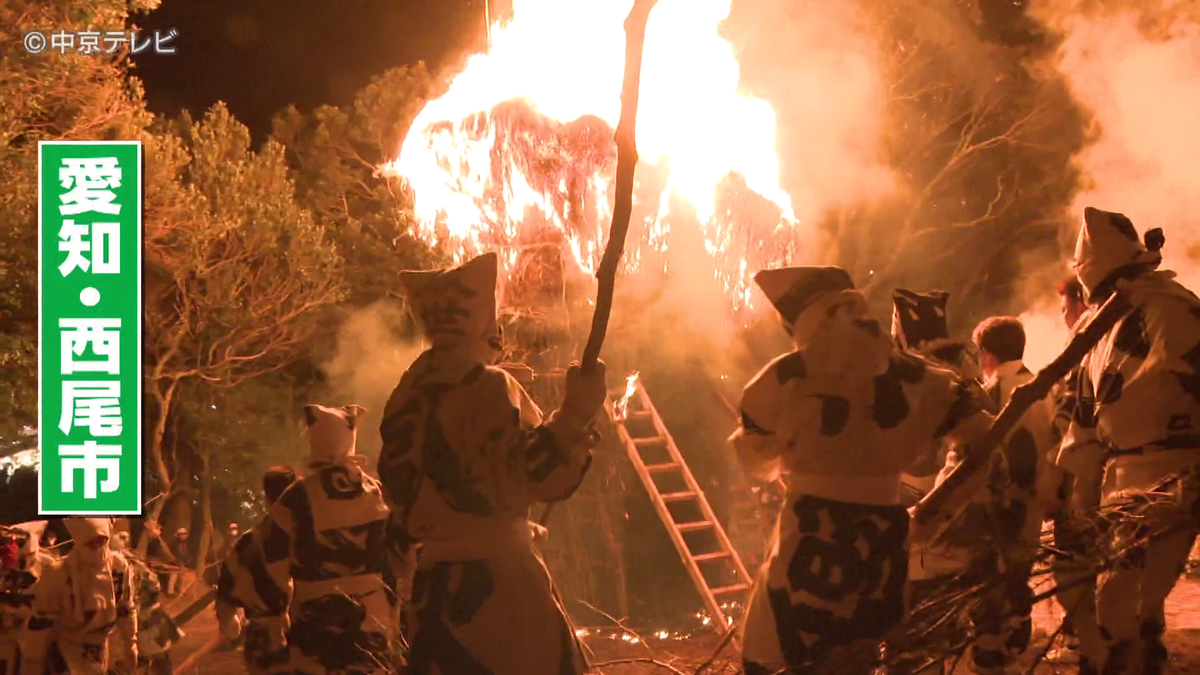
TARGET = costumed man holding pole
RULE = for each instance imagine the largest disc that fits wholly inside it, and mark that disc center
(21, 563)
(245, 584)
(1075, 531)
(465, 456)
(76, 604)
(919, 325)
(466, 453)
(325, 539)
(845, 414)
(1138, 416)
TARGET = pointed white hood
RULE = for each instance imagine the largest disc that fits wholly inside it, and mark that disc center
(803, 296)
(332, 433)
(456, 307)
(35, 529)
(1108, 242)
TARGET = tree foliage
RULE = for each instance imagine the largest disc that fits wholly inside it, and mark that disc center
(981, 144)
(237, 269)
(337, 154)
(46, 97)
(238, 274)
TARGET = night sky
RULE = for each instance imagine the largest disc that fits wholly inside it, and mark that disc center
(259, 56)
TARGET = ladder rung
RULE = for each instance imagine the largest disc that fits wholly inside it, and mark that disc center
(705, 557)
(652, 440)
(692, 527)
(659, 468)
(726, 590)
(678, 496)
(638, 415)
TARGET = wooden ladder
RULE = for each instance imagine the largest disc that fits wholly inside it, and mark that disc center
(670, 482)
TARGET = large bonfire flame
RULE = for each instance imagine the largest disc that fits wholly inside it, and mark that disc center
(520, 151)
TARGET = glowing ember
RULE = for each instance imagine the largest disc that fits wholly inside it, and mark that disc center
(521, 143)
(621, 407)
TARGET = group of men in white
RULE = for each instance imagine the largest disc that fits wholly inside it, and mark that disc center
(859, 420)
(1109, 459)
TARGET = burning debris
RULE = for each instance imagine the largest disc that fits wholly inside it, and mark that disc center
(621, 405)
(522, 144)
(520, 177)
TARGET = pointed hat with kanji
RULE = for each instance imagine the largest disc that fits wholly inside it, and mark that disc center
(801, 294)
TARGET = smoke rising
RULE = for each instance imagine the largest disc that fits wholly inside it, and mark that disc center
(1143, 85)
(819, 67)
(367, 364)
(1136, 69)
(816, 64)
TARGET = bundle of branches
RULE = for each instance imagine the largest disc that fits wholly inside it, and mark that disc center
(1126, 524)
(153, 564)
(936, 629)
(1115, 534)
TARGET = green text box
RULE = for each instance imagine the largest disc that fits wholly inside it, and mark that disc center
(103, 286)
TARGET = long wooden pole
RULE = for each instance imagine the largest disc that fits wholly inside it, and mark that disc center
(627, 159)
(940, 503)
(194, 660)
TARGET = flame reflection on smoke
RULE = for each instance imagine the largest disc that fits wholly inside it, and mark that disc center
(1045, 337)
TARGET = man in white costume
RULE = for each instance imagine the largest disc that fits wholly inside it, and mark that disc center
(845, 413)
(78, 602)
(1138, 418)
(465, 456)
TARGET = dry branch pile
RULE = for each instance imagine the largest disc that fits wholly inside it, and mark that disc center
(937, 630)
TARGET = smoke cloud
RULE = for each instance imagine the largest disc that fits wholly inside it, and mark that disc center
(1143, 84)
(819, 66)
(1136, 69)
(369, 359)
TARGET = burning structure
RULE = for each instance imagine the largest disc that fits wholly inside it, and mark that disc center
(521, 144)
(518, 157)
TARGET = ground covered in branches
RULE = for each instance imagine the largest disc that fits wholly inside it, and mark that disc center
(619, 652)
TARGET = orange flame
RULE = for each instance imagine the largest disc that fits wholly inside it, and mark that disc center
(564, 60)
(621, 406)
